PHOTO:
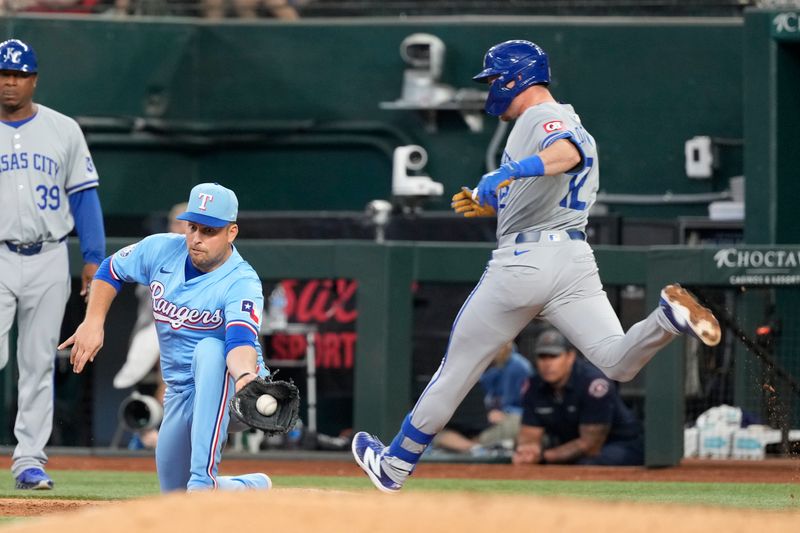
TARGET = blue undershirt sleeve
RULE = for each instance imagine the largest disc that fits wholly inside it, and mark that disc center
(85, 207)
(236, 336)
(104, 273)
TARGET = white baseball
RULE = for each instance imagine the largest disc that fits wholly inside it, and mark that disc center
(266, 404)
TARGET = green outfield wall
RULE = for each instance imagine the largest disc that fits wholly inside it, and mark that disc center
(385, 273)
(642, 87)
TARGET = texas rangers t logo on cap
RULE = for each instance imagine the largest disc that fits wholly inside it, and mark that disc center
(211, 204)
(204, 198)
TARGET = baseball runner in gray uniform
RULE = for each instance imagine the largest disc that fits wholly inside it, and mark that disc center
(542, 267)
(47, 185)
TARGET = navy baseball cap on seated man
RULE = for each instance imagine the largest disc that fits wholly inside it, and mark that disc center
(551, 342)
(211, 204)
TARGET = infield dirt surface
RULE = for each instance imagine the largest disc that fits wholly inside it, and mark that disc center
(308, 510)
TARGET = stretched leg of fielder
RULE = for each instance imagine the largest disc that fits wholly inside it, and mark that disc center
(213, 390)
(174, 446)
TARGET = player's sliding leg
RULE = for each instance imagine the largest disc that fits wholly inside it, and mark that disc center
(213, 391)
(493, 314)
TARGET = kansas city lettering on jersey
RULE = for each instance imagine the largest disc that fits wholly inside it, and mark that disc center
(24, 160)
(182, 317)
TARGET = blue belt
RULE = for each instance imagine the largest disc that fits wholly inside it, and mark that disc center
(31, 248)
(534, 236)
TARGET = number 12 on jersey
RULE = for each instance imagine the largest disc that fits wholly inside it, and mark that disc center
(571, 200)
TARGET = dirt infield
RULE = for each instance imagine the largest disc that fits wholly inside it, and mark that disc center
(297, 510)
(20, 507)
(314, 511)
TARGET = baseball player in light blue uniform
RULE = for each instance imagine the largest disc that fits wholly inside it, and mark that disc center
(207, 304)
(48, 185)
(542, 266)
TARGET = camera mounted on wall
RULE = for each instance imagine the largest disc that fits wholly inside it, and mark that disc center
(409, 186)
(422, 91)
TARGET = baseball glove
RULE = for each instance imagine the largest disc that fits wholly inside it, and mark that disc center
(243, 405)
(462, 202)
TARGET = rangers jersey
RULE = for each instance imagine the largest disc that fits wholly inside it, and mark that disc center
(188, 311)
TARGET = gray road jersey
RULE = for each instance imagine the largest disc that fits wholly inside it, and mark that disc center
(41, 163)
(548, 202)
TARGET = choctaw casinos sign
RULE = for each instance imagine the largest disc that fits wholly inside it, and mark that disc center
(743, 266)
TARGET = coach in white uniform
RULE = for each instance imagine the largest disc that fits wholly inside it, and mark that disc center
(542, 267)
(48, 184)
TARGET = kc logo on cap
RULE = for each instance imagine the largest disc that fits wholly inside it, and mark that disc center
(211, 204)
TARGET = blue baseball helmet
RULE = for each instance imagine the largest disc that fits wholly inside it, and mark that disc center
(523, 62)
(16, 55)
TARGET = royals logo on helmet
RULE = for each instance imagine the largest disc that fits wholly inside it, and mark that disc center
(12, 55)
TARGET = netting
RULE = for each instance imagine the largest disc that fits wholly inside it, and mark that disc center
(755, 369)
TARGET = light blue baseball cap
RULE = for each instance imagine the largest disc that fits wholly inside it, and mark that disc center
(211, 204)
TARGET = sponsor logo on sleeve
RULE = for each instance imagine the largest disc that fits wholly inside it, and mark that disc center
(553, 125)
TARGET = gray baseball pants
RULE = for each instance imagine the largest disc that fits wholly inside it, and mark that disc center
(556, 280)
(36, 288)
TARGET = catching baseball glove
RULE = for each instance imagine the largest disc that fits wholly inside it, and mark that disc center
(243, 405)
(462, 202)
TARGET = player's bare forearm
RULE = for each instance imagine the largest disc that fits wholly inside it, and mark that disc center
(590, 442)
(88, 338)
(242, 364)
(100, 299)
(559, 157)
